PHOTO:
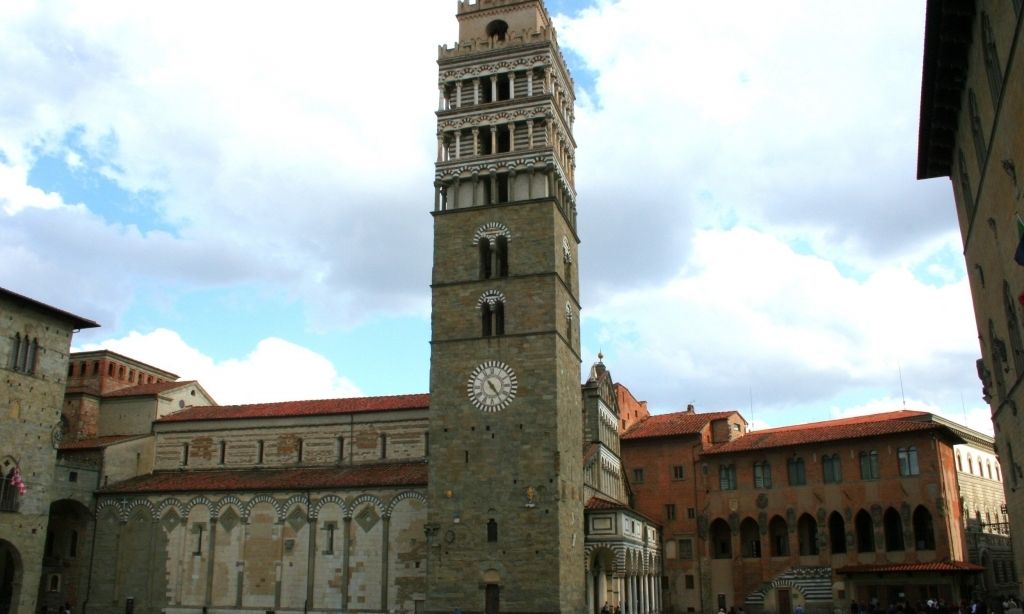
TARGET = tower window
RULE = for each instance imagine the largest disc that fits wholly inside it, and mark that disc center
(503, 138)
(259, 452)
(485, 135)
(184, 454)
(492, 530)
(493, 257)
(222, 451)
(492, 315)
(341, 448)
(299, 450)
(504, 89)
(501, 183)
(383, 445)
(497, 29)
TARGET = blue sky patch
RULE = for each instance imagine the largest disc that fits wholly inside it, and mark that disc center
(84, 181)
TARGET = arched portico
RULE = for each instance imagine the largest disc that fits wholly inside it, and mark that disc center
(600, 580)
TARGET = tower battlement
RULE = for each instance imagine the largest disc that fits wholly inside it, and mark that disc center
(526, 36)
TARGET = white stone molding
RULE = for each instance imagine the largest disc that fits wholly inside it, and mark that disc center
(491, 230)
(361, 499)
(114, 504)
(315, 508)
(402, 496)
(168, 503)
(262, 498)
(490, 297)
(199, 500)
(130, 505)
(224, 502)
(294, 500)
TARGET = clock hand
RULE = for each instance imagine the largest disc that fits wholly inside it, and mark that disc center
(490, 386)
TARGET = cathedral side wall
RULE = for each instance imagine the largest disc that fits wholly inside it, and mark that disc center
(288, 551)
(290, 441)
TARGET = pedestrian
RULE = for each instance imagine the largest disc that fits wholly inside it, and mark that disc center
(605, 609)
(799, 609)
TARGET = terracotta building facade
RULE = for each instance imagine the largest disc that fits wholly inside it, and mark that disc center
(864, 509)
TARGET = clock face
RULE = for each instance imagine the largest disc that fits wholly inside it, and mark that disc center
(492, 386)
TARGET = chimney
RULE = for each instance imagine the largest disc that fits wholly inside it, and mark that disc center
(689, 408)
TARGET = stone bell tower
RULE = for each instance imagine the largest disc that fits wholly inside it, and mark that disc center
(505, 520)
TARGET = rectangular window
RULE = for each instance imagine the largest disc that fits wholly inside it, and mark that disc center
(72, 476)
(299, 450)
(908, 461)
(259, 452)
(184, 454)
(670, 511)
(426, 444)
(329, 530)
(689, 581)
(73, 544)
(341, 448)
(831, 469)
(869, 469)
(223, 450)
(197, 530)
(686, 549)
(762, 475)
(797, 472)
(638, 475)
(727, 477)
(678, 472)
(383, 445)
(691, 512)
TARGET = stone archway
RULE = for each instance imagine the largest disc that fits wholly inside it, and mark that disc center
(10, 577)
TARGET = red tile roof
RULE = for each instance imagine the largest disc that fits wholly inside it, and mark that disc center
(142, 390)
(679, 423)
(301, 408)
(97, 443)
(301, 478)
(857, 427)
(600, 503)
(938, 566)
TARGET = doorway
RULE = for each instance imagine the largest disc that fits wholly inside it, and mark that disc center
(491, 599)
(785, 601)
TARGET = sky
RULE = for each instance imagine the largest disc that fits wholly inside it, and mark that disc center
(240, 193)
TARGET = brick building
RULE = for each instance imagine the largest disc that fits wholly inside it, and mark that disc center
(819, 514)
(972, 108)
(34, 342)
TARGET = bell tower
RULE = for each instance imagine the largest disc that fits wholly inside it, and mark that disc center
(505, 519)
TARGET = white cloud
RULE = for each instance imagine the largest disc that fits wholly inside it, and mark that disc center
(292, 149)
(750, 317)
(275, 370)
(16, 195)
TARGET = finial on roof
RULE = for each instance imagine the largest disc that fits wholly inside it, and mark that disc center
(600, 356)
